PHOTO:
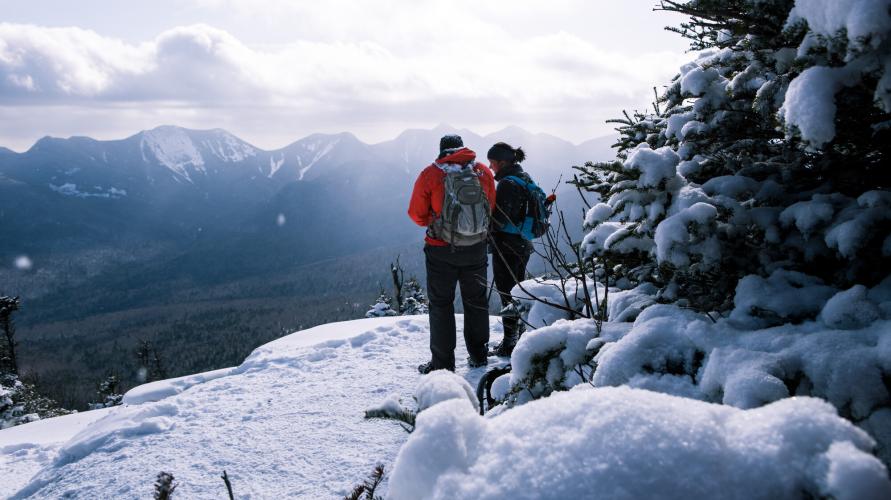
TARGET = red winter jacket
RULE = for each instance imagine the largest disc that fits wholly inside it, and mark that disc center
(426, 199)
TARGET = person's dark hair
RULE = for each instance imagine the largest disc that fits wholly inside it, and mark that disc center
(503, 151)
(519, 155)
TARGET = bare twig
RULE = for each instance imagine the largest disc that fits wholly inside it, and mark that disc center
(523, 289)
(225, 478)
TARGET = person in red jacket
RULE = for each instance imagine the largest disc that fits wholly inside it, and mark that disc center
(448, 264)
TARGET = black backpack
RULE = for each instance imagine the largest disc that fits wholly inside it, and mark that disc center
(538, 212)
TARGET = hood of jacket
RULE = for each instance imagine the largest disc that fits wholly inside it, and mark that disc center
(462, 156)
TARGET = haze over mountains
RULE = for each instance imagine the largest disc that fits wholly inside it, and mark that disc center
(171, 182)
(131, 236)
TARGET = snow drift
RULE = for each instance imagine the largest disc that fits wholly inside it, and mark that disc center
(623, 443)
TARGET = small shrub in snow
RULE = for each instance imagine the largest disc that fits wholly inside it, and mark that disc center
(164, 486)
(552, 358)
(367, 490)
(392, 409)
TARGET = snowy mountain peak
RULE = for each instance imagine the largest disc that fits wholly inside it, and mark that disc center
(173, 148)
(313, 149)
(182, 150)
(227, 147)
(513, 130)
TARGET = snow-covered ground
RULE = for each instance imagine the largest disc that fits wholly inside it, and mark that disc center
(26, 449)
(288, 423)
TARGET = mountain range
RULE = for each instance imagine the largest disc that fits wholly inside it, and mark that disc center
(173, 183)
(170, 220)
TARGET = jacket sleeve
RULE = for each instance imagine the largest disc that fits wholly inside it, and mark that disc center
(510, 204)
(419, 208)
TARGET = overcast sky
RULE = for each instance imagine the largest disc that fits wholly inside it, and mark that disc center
(272, 71)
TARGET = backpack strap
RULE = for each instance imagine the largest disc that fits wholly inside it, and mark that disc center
(518, 181)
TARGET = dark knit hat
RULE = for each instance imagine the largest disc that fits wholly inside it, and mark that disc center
(451, 141)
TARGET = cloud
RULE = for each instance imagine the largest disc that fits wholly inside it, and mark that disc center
(208, 66)
(471, 71)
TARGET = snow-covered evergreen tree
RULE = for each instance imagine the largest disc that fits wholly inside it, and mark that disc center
(20, 401)
(108, 392)
(757, 186)
(414, 299)
(768, 151)
(151, 366)
(8, 363)
(382, 307)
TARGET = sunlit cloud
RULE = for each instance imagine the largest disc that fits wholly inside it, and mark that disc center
(367, 78)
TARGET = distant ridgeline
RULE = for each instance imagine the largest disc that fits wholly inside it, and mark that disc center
(188, 237)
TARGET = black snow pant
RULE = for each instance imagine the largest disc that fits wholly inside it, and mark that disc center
(509, 258)
(446, 267)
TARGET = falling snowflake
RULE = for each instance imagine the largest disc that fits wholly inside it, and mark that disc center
(24, 263)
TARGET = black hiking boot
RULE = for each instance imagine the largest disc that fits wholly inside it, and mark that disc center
(504, 348)
(425, 368)
(512, 331)
(473, 363)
